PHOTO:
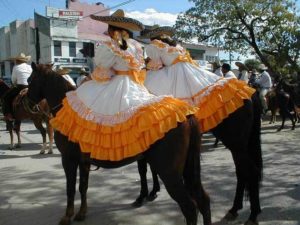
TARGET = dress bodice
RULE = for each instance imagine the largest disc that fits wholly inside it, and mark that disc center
(159, 50)
(109, 55)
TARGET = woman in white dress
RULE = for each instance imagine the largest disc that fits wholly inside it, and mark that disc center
(113, 116)
(171, 71)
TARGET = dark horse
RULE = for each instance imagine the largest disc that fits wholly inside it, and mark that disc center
(176, 157)
(21, 111)
(240, 133)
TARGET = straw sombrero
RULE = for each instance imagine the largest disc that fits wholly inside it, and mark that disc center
(118, 19)
(157, 31)
(83, 72)
(22, 58)
(262, 67)
(62, 71)
(241, 65)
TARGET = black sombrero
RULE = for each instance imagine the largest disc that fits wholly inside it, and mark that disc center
(157, 31)
(118, 19)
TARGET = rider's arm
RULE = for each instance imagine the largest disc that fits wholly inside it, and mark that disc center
(14, 76)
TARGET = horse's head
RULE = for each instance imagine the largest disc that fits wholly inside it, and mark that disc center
(37, 81)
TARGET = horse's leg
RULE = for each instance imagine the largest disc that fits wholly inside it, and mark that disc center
(142, 168)
(282, 114)
(70, 165)
(156, 187)
(17, 129)
(38, 123)
(9, 127)
(216, 143)
(50, 132)
(84, 169)
(176, 189)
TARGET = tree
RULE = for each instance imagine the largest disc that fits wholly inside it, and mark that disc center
(268, 28)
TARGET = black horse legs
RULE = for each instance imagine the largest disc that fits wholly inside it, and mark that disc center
(84, 170)
(142, 168)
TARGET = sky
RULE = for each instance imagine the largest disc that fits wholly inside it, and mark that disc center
(149, 12)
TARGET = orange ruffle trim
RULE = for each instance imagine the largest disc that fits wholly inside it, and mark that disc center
(126, 139)
(221, 101)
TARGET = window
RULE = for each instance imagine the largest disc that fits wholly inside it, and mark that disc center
(57, 48)
(72, 49)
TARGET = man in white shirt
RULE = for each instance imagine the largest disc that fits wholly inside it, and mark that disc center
(217, 68)
(243, 72)
(226, 70)
(264, 83)
(20, 73)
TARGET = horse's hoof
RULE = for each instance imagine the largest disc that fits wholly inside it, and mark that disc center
(18, 146)
(138, 202)
(151, 197)
(230, 216)
(250, 222)
(42, 152)
(50, 152)
(79, 217)
(65, 221)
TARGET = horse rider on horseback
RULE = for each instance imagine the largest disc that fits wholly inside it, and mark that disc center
(20, 73)
(264, 82)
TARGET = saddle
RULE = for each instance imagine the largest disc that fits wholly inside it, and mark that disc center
(19, 98)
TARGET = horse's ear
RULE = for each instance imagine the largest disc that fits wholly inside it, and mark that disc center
(33, 66)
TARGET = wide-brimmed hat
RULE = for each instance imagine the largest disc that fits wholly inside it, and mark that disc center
(241, 65)
(118, 19)
(157, 31)
(254, 71)
(83, 72)
(62, 70)
(216, 63)
(262, 67)
(22, 57)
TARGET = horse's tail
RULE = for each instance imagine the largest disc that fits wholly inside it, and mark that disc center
(192, 172)
(254, 145)
(192, 168)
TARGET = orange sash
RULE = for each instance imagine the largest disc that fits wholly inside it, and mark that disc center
(136, 75)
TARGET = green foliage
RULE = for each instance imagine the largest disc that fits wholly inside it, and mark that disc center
(252, 64)
(268, 28)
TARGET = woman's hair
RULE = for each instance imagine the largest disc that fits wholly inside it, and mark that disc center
(166, 39)
(124, 45)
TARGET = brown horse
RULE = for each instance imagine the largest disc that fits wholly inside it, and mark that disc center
(21, 111)
(176, 157)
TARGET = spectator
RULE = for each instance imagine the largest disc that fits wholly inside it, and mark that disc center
(64, 72)
(243, 72)
(83, 77)
(217, 68)
(226, 70)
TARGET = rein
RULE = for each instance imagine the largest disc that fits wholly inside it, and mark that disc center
(35, 109)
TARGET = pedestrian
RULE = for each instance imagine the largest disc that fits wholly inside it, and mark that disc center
(64, 72)
(243, 72)
(252, 77)
(226, 70)
(217, 68)
(181, 77)
(20, 73)
(115, 108)
(83, 76)
(264, 82)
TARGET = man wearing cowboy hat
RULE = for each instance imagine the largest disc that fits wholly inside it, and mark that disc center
(83, 77)
(20, 73)
(64, 73)
(264, 83)
(243, 72)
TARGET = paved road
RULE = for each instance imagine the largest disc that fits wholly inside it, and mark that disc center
(33, 186)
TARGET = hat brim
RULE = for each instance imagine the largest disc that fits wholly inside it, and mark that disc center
(121, 22)
(241, 65)
(158, 32)
(21, 59)
(63, 71)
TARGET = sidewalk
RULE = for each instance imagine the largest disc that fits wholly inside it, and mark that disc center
(33, 186)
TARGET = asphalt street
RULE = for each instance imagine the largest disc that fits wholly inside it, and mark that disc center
(32, 186)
